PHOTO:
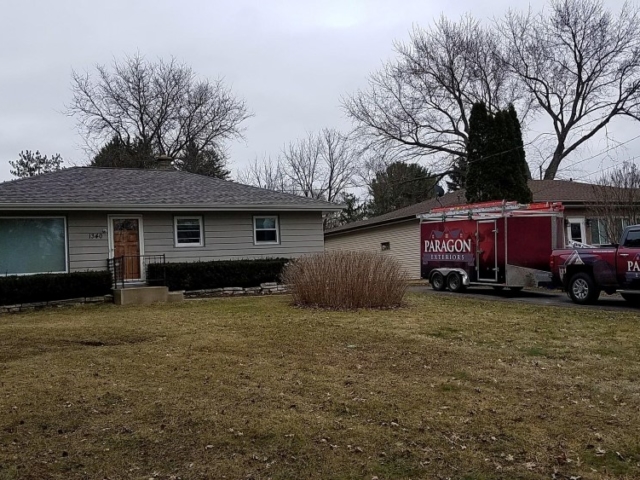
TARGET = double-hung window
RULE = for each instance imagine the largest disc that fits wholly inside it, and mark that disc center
(33, 245)
(188, 231)
(265, 230)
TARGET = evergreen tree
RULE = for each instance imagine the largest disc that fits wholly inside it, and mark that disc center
(497, 166)
(137, 154)
(121, 154)
(458, 175)
(207, 162)
(30, 164)
(400, 185)
(354, 210)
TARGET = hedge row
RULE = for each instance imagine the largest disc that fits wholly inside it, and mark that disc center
(218, 273)
(48, 287)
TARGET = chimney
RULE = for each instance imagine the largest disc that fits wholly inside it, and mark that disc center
(164, 162)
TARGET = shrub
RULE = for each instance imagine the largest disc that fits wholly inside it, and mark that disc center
(48, 287)
(346, 280)
(219, 273)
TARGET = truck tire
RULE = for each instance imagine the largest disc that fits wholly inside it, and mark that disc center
(582, 289)
(437, 281)
(454, 282)
(632, 298)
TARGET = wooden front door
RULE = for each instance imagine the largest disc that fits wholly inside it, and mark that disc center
(126, 246)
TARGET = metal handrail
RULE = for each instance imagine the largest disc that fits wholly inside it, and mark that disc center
(130, 268)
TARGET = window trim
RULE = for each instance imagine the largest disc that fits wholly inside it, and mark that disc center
(66, 244)
(175, 231)
(582, 221)
(255, 240)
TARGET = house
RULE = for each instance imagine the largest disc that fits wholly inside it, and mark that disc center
(398, 233)
(76, 219)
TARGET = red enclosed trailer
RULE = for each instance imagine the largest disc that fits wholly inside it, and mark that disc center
(502, 244)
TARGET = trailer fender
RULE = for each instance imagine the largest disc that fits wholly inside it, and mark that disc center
(466, 281)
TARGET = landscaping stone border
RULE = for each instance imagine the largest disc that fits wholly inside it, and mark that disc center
(263, 289)
(72, 302)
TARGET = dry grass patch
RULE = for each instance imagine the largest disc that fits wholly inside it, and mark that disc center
(253, 388)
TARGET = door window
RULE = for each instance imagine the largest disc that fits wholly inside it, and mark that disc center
(633, 239)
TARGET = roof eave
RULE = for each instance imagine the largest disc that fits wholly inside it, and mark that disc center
(167, 208)
(382, 223)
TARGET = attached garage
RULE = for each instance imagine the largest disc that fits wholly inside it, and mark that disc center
(397, 233)
(400, 240)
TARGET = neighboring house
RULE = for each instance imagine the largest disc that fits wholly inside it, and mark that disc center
(75, 219)
(398, 233)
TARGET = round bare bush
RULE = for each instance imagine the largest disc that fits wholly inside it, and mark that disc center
(346, 280)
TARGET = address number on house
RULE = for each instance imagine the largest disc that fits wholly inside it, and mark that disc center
(94, 236)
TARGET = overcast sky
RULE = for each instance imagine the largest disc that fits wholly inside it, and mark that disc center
(291, 60)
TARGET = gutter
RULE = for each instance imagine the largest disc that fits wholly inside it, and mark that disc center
(164, 208)
(384, 223)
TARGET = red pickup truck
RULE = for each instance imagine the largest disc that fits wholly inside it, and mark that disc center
(585, 272)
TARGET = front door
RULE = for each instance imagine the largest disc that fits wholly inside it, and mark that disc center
(487, 251)
(126, 247)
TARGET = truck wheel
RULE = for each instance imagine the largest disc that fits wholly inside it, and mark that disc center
(632, 298)
(516, 289)
(498, 288)
(454, 282)
(437, 281)
(582, 290)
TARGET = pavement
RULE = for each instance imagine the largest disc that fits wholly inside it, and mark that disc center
(534, 297)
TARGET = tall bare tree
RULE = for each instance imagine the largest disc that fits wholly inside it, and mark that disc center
(618, 201)
(266, 173)
(162, 104)
(322, 165)
(418, 105)
(581, 65)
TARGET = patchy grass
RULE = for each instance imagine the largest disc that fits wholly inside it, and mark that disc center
(254, 388)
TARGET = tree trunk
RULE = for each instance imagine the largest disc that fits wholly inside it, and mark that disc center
(552, 169)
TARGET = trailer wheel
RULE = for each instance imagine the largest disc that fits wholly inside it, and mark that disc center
(582, 289)
(454, 282)
(632, 298)
(437, 281)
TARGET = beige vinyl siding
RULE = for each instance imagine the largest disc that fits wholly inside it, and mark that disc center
(88, 241)
(229, 235)
(403, 238)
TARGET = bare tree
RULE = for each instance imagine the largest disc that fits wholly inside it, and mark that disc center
(581, 65)
(419, 104)
(618, 201)
(161, 104)
(266, 173)
(321, 166)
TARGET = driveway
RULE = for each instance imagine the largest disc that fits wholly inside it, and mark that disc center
(533, 296)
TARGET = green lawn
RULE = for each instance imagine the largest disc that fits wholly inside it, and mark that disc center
(252, 388)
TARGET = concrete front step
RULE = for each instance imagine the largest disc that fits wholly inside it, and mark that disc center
(145, 295)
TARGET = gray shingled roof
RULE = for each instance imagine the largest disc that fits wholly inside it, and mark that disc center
(108, 188)
(565, 191)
